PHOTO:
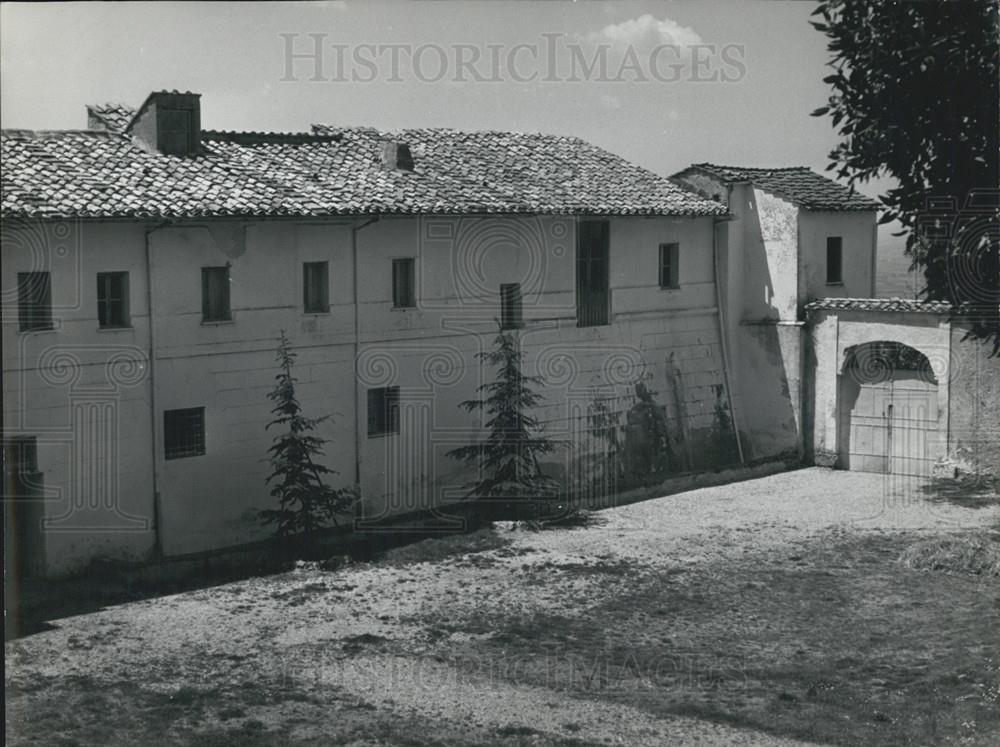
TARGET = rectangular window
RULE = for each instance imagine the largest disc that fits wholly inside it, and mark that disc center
(112, 299)
(34, 300)
(183, 433)
(215, 294)
(383, 411)
(315, 287)
(670, 265)
(834, 260)
(593, 296)
(404, 293)
(510, 306)
(176, 131)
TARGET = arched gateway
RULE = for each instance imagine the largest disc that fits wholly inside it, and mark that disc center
(888, 410)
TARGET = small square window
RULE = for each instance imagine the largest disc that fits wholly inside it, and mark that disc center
(315, 287)
(510, 306)
(183, 433)
(112, 299)
(670, 265)
(834, 260)
(404, 293)
(383, 411)
(215, 294)
(34, 300)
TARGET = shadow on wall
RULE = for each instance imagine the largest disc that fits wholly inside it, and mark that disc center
(767, 364)
(637, 440)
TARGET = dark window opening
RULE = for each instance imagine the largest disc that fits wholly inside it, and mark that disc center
(315, 290)
(215, 294)
(34, 300)
(593, 298)
(176, 131)
(834, 260)
(112, 299)
(511, 316)
(404, 293)
(383, 411)
(184, 433)
(670, 265)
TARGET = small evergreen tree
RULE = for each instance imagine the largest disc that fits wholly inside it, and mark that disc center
(507, 458)
(306, 502)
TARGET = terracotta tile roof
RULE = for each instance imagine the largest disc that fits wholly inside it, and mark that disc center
(797, 184)
(113, 117)
(879, 304)
(325, 172)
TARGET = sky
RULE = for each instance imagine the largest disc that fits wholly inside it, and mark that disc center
(723, 81)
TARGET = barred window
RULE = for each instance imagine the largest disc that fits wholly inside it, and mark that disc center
(184, 433)
(112, 299)
(383, 411)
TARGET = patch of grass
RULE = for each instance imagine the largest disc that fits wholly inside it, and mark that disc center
(976, 553)
(437, 549)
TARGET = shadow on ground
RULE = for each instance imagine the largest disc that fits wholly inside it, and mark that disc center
(966, 491)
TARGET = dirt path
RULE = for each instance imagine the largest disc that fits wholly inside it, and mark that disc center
(472, 649)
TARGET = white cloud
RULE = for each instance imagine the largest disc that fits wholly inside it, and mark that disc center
(645, 32)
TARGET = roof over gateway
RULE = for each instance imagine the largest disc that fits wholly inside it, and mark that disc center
(880, 304)
(797, 184)
(105, 172)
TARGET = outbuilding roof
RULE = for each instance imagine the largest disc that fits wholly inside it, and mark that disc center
(328, 171)
(797, 184)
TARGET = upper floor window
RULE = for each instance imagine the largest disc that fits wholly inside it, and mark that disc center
(34, 300)
(215, 294)
(383, 411)
(315, 287)
(670, 265)
(404, 294)
(834, 260)
(510, 306)
(183, 433)
(112, 299)
(593, 296)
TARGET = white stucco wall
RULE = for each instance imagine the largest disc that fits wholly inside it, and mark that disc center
(858, 232)
(669, 339)
(82, 392)
(833, 333)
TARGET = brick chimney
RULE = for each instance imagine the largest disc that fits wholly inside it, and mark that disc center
(169, 122)
(397, 156)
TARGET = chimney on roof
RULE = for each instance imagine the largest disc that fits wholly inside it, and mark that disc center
(169, 122)
(397, 156)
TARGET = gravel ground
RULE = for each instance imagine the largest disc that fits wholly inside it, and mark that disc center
(359, 638)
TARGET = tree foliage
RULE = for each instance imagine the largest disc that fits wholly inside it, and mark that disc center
(306, 501)
(915, 97)
(507, 458)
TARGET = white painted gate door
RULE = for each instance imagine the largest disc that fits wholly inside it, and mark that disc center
(893, 427)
